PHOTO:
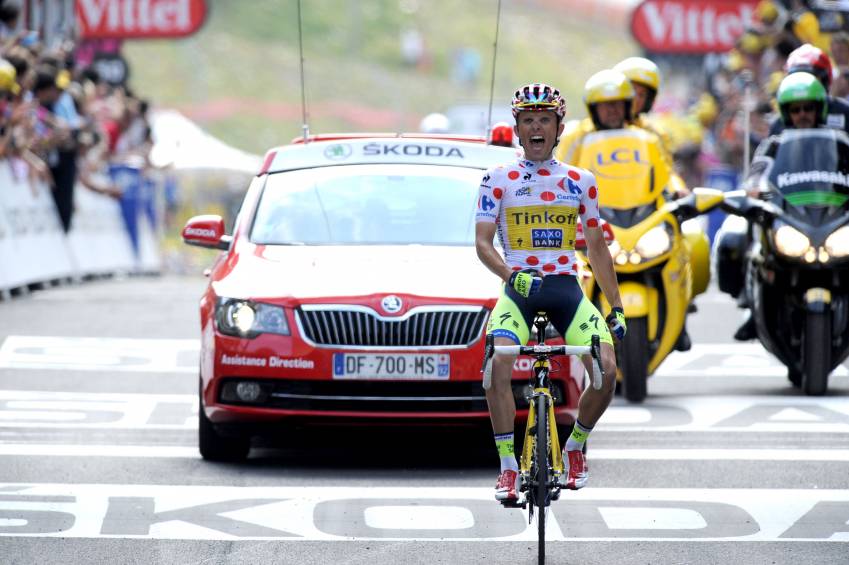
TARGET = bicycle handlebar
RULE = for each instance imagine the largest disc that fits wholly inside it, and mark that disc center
(594, 350)
(547, 349)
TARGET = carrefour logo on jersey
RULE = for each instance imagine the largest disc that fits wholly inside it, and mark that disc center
(486, 204)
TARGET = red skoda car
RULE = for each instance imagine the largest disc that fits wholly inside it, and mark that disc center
(350, 292)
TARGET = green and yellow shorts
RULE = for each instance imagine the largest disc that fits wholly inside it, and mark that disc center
(561, 298)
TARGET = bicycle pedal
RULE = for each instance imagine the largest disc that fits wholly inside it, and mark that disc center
(555, 494)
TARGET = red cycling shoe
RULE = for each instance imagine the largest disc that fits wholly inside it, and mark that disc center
(576, 469)
(506, 489)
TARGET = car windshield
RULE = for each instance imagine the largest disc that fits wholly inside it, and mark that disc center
(368, 205)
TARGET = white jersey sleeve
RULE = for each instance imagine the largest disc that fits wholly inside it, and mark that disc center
(489, 197)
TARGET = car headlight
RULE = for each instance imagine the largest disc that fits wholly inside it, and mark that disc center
(791, 242)
(837, 244)
(654, 242)
(245, 318)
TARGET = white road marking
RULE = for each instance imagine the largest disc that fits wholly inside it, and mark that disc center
(739, 414)
(727, 359)
(93, 450)
(79, 410)
(408, 513)
(761, 413)
(9, 448)
(419, 517)
(100, 354)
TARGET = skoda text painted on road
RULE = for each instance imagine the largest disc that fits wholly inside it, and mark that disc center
(739, 414)
(459, 514)
(100, 354)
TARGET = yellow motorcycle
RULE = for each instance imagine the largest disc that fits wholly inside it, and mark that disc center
(660, 264)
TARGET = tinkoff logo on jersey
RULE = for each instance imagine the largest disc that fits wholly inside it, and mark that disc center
(541, 227)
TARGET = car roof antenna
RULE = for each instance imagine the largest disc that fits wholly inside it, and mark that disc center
(305, 126)
(492, 79)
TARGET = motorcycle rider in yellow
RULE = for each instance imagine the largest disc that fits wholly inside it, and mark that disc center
(533, 205)
(609, 96)
(645, 78)
(606, 88)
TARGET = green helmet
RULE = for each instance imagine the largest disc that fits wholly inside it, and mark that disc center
(802, 87)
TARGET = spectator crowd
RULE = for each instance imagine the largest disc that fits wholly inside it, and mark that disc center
(738, 94)
(63, 124)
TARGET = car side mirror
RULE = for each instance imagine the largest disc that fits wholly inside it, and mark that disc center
(207, 231)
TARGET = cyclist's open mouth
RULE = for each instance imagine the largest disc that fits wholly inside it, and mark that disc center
(537, 141)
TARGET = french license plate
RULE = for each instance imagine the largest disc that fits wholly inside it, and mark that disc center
(391, 366)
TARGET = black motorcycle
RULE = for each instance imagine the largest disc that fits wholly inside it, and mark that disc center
(793, 264)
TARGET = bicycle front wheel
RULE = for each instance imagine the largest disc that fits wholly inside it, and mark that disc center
(542, 472)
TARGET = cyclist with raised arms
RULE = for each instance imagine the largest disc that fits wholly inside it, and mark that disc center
(533, 204)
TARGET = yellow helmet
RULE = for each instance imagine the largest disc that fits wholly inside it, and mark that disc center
(606, 86)
(641, 71)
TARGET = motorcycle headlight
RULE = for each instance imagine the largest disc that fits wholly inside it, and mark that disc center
(837, 244)
(791, 242)
(654, 242)
(245, 318)
(614, 248)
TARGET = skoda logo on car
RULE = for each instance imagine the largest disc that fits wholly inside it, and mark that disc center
(338, 152)
(391, 304)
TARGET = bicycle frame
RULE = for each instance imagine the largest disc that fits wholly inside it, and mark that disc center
(541, 462)
(541, 371)
(540, 387)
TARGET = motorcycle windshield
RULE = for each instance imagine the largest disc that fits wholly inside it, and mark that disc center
(628, 165)
(811, 173)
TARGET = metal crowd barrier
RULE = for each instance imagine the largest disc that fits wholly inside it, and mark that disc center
(34, 250)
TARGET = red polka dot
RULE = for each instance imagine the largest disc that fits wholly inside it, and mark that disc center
(574, 175)
(513, 175)
(549, 267)
(593, 192)
(575, 267)
(497, 193)
(563, 259)
(592, 223)
(517, 268)
(543, 172)
(532, 260)
(582, 209)
(547, 196)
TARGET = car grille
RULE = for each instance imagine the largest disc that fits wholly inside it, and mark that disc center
(354, 326)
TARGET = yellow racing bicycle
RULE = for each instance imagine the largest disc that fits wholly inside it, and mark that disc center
(541, 463)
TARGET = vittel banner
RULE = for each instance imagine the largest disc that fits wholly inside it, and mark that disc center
(690, 26)
(139, 19)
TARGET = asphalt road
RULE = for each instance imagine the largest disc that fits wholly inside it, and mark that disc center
(725, 463)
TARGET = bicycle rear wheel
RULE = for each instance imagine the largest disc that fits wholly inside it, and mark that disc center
(542, 473)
